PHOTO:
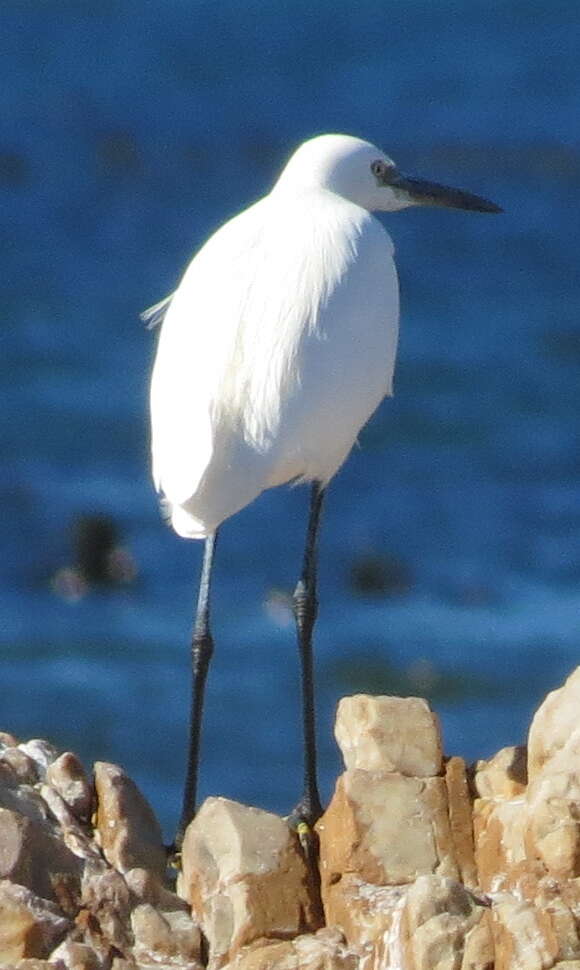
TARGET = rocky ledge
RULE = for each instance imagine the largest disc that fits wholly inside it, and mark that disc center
(424, 864)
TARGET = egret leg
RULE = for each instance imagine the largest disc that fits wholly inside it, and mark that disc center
(201, 654)
(309, 808)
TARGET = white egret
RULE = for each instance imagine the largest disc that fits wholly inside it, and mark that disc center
(275, 349)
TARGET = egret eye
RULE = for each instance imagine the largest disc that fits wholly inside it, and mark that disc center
(380, 169)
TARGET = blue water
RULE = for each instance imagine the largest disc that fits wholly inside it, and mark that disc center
(128, 131)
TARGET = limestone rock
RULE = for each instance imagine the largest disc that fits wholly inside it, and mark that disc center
(431, 924)
(400, 845)
(147, 888)
(460, 820)
(520, 839)
(478, 947)
(554, 724)
(128, 831)
(363, 912)
(360, 832)
(389, 734)
(31, 963)
(18, 764)
(32, 856)
(170, 938)
(500, 842)
(74, 835)
(503, 776)
(523, 936)
(67, 776)
(29, 926)
(245, 877)
(107, 904)
(75, 956)
(443, 927)
(41, 752)
(7, 740)
(21, 797)
(324, 950)
(561, 902)
(553, 829)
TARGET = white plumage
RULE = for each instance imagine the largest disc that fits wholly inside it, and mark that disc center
(275, 349)
(279, 342)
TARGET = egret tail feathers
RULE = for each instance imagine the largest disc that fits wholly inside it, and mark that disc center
(154, 315)
(185, 524)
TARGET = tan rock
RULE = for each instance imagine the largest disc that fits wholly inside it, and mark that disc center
(478, 946)
(31, 856)
(523, 936)
(74, 835)
(107, 900)
(128, 831)
(553, 829)
(18, 933)
(266, 955)
(361, 831)
(75, 956)
(554, 724)
(7, 740)
(42, 753)
(440, 922)
(67, 776)
(31, 963)
(363, 912)
(503, 776)
(29, 926)
(386, 734)
(168, 938)
(20, 765)
(147, 888)
(500, 842)
(245, 877)
(431, 924)
(561, 902)
(22, 798)
(324, 950)
(460, 820)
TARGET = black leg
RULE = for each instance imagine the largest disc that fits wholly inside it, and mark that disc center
(201, 653)
(309, 808)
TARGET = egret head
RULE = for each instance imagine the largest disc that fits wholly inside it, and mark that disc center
(363, 174)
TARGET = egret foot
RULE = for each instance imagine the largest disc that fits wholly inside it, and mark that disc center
(310, 846)
(173, 854)
(309, 843)
(307, 812)
(302, 820)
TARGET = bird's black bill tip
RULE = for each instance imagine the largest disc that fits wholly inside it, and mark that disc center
(484, 205)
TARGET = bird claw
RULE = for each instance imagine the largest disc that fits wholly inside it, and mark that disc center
(302, 820)
(306, 837)
(309, 846)
(173, 857)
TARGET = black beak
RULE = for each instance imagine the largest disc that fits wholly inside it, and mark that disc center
(420, 192)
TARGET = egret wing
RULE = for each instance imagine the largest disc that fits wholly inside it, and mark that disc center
(197, 338)
(260, 347)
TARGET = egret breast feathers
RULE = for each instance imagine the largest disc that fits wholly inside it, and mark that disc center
(232, 341)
